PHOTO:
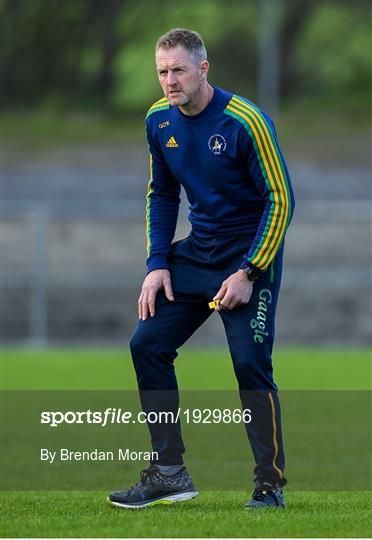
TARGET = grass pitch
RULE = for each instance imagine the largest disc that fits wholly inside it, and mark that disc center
(205, 369)
(212, 514)
(85, 514)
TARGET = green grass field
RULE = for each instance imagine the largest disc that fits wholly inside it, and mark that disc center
(212, 514)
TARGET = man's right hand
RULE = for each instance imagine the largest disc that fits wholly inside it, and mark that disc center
(154, 281)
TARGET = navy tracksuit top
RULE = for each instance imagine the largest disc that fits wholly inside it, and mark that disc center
(228, 160)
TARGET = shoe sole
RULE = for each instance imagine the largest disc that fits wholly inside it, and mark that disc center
(169, 499)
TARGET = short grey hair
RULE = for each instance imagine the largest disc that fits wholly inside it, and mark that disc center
(189, 39)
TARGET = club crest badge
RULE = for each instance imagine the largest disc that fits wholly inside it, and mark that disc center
(217, 144)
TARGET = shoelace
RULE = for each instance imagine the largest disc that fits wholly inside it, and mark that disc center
(144, 474)
(150, 473)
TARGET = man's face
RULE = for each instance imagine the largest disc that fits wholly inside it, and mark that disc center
(180, 77)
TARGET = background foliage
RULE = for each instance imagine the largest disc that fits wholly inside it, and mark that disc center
(90, 54)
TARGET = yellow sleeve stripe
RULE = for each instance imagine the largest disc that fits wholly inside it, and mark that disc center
(273, 172)
(148, 216)
(276, 174)
(270, 161)
(161, 101)
(161, 104)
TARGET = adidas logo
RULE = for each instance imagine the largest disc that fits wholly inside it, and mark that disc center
(172, 143)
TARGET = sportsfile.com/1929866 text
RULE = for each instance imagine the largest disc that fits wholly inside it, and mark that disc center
(117, 416)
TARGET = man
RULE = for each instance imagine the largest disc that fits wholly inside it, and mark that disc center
(223, 150)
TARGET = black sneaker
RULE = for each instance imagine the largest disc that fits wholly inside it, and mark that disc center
(271, 497)
(156, 488)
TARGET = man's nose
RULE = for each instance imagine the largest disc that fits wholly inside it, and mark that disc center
(172, 79)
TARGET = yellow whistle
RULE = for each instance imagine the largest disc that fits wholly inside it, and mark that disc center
(214, 304)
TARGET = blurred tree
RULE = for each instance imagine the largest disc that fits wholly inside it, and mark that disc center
(43, 46)
(296, 15)
(234, 55)
(109, 44)
(40, 42)
(100, 54)
(332, 55)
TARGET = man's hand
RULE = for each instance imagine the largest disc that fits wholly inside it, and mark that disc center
(235, 291)
(154, 281)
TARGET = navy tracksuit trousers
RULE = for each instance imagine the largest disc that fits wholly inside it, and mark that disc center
(198, 267)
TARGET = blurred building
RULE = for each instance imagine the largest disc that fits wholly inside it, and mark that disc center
(74, 245)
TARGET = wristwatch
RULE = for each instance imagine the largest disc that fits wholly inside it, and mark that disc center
(252, 273)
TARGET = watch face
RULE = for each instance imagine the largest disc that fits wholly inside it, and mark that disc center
(253, 274)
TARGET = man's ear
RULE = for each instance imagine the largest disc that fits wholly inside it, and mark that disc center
(204, 67)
